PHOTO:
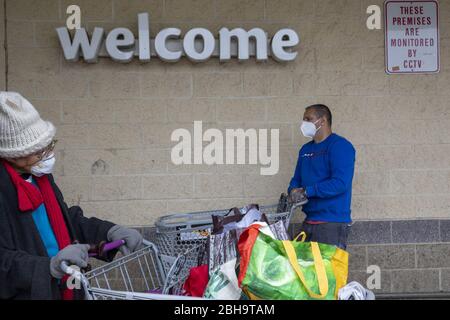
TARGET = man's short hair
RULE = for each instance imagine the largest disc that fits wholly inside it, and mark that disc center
(321, 110)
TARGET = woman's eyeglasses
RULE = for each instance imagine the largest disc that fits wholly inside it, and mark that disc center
(47, 151)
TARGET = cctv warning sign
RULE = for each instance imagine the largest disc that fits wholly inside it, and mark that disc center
(412, 36)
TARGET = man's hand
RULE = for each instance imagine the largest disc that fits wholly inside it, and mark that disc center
(76, 254)
(133, 239)
(298, 195)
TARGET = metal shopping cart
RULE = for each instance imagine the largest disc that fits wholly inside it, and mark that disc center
(177, 233)
(138, 276)
(159, 272)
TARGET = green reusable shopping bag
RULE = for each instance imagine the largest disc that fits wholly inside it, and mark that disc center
(289, 270)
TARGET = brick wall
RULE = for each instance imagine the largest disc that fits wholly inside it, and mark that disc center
(412, 255)
(2, 47)
(114, 121)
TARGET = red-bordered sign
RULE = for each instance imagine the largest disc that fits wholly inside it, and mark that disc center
(412, 36)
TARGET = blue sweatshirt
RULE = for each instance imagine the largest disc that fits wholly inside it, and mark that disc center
(325, 170)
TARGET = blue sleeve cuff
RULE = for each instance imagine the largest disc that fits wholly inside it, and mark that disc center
(310, 191)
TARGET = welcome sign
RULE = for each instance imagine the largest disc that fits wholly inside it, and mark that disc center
(198, 44)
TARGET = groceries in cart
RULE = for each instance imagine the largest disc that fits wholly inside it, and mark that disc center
(355, 291)
(253, 258)
(243, 253)
(177, 233)
(283, 269)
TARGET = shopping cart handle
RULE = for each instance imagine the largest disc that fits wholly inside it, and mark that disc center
(105, 247)
(113, 245)
(65, 268)
(298, 204)
(69, 270)
(78, 276)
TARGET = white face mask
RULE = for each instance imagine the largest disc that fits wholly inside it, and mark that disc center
(309, 129)
(45, 166)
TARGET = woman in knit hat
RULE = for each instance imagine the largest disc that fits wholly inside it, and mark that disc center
(37, 229)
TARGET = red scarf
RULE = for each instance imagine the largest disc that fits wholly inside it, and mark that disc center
(30, 198)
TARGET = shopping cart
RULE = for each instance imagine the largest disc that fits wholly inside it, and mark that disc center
(137, 276)
(179, 271)
(177, 233)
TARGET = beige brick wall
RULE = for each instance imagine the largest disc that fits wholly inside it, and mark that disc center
(2, 47)
(115, 120)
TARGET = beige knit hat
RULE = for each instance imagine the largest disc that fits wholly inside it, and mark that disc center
(22, 131)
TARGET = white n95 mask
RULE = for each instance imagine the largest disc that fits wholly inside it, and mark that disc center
(45, 166)
(309, 129)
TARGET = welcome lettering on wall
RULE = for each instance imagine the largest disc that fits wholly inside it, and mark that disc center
(198, 44)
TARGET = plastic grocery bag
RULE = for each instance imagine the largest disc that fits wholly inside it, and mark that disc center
(224, 246)
(240, 219)
(196, 282)
(224, 261)
(281, 269)
(223, 283)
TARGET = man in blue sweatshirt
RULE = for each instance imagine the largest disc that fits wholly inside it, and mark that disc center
(324, 175)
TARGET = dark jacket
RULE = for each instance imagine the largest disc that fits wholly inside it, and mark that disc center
(24, 263)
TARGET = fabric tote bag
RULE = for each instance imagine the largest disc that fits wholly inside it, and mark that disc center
(289, 270)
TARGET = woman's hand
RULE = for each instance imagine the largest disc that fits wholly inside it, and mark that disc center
(133, 239)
